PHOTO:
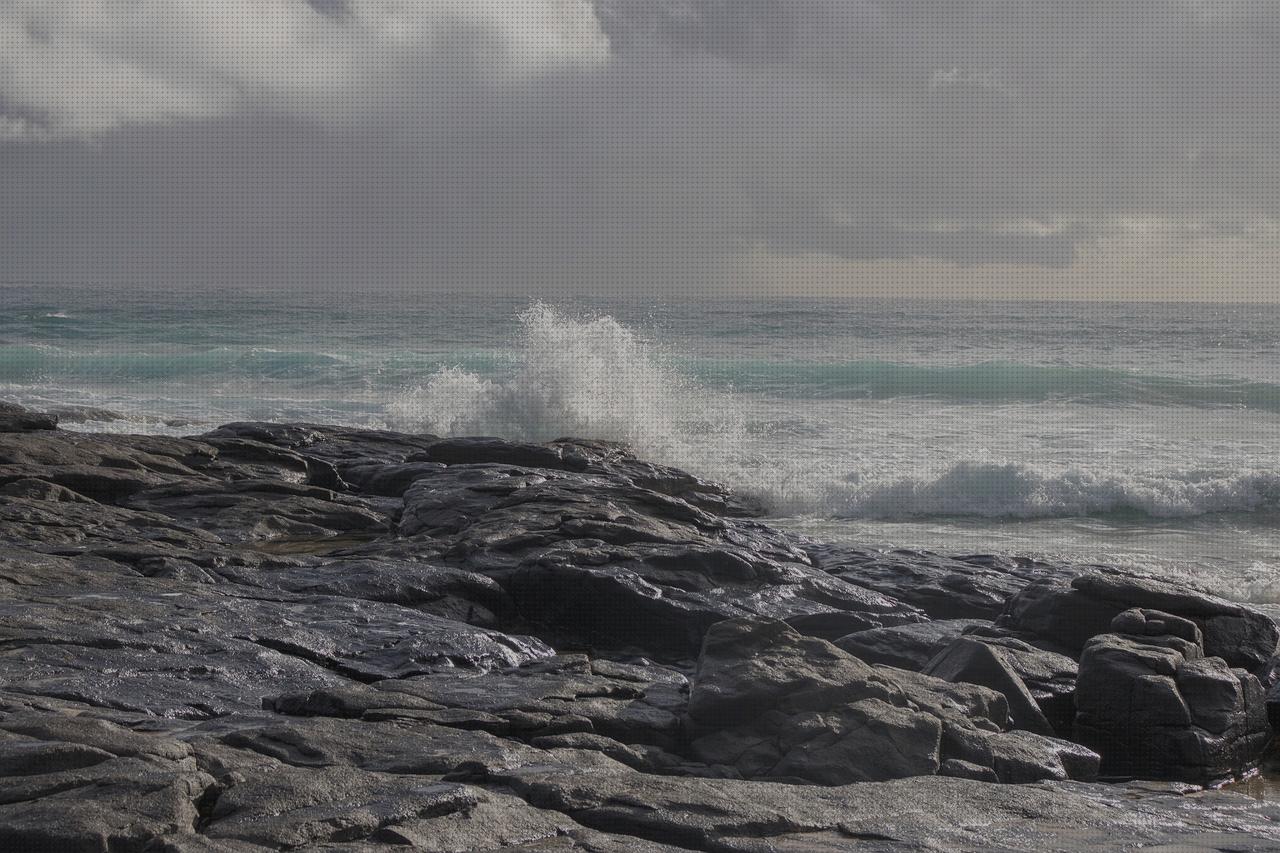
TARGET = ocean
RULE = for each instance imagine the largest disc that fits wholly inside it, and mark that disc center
(1144, 435)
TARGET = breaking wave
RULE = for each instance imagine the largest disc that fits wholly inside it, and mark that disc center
(593, 377)
(574, 376)
(1025, 491)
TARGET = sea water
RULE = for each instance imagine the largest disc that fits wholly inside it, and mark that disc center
(1143, 434)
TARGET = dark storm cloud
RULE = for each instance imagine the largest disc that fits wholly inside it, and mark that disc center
(338, 9)
(628, 142)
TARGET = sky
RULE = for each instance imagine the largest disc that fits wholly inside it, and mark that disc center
(1125, 149)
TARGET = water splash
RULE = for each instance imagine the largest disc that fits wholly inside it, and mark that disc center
(586, 377)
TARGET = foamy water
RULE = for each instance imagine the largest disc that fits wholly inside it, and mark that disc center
(1143, 435)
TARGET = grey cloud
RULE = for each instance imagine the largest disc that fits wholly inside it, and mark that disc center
(337, 9)
(968, 131)
(965, 246)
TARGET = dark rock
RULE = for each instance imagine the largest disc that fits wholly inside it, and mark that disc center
(402, 746)
(15, 418)
(1142, 622)
(750, 667)
(473, 451)
(975, 662)
(1071, 614)
(773, 704)
(108, 485)
(290, 808)
(260, 509)
(596, 559)
(958, 769)
(1020, 757)
(444, 591)
(389, 480)
(559, 696)
(909, 646)
(1049, 676)
(194, 649)
(943, 587)
(1155, 708)
(120, 804)
(930, 812)
(316, 637)
(335, 444)
(41, 490)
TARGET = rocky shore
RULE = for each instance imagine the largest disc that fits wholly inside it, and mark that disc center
(287, 636)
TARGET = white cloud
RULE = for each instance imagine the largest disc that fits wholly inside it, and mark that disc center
(87, 66)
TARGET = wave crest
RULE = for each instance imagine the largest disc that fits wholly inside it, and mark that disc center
(1024, 491)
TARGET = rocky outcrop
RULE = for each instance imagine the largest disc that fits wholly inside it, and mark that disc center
(771, 703)
(909, 646)
(975, 662)
(1070, 613)
(15, 418)
(963, 587)
(293, 636)
(1157, 708)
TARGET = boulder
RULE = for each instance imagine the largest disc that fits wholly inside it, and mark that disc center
(975, 662)
(1049, 676)
(15, 418)
(1155, 708)
(771, 703)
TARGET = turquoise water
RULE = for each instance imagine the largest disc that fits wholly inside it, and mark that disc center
(1133, 433)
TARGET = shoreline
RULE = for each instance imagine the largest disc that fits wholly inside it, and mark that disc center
(275, 635)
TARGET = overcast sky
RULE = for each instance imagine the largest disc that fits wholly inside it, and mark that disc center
(1118, 148)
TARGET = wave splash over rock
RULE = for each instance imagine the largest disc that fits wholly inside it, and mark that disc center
(595, 376)
(575, 376)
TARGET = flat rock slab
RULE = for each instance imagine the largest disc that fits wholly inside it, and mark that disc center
(929, 813)
(178, 649)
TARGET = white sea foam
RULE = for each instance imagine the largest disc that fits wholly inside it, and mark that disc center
(593, 377)
(1025, 491)
(574, 376)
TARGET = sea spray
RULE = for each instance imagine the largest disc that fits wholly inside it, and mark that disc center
(577, 376)
(1030, 429)
(594, 377)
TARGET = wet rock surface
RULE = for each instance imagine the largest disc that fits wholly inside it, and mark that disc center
(292, 636)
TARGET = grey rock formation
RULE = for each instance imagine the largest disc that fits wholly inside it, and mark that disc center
(15, 418)
(294, 636)
(909, 646)
(771, 703)
(976, 662)
(1071, 613)
(1155, 707)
